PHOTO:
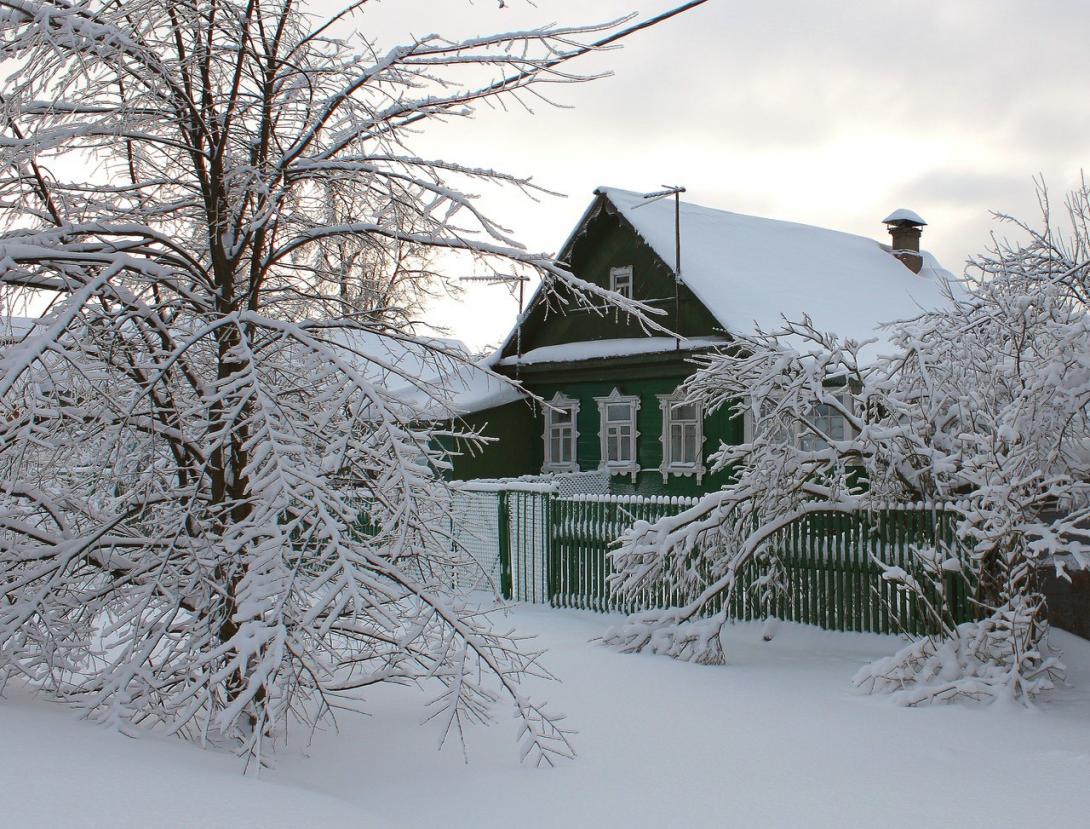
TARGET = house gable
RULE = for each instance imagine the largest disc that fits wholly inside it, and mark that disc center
(603, 240)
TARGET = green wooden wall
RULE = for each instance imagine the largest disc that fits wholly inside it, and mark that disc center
(718, 426)
(512, 451)
(521, 448)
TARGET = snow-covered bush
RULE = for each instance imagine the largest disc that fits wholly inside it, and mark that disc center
(980, 406)
(220, 200)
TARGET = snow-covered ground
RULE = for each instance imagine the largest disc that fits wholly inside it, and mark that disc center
(777, 738)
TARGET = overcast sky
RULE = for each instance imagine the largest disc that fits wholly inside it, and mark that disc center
(829, 113)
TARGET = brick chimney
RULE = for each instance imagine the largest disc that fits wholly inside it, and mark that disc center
(905, 228)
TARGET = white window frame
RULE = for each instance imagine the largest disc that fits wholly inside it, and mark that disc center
(559, 403)
(631, 467)
(621, 281)
(670, 465)
(810, 442)
(798, 434)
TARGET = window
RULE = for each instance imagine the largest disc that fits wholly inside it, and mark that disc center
(618, 433)
(827, 420)
(682, 437)
(561, 434)
(620, 280)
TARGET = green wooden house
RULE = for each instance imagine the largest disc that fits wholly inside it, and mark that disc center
(612, 387)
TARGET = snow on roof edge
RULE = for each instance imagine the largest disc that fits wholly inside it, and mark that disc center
(13, 328)
(579, 351)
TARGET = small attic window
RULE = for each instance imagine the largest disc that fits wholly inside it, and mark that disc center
(620, 280)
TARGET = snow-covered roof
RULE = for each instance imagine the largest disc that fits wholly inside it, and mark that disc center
(392, 358)
(903, 214)
(433, 376)
(461, 390)
(620, 347)
(751, 271)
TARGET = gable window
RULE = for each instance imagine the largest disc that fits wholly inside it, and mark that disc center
(561, 434)
(682, 437)
(618, 433)
(620, 280)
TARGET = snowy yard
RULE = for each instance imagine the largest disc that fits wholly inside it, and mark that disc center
(776, 738)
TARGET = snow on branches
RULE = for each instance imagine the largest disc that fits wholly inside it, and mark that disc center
(980, 407)
(215, 514)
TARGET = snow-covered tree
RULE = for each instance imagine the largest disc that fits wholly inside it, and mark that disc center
(222, 201)
(980, 406)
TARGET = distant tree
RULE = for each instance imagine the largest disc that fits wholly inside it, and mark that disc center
(223, 201)
(981, 406)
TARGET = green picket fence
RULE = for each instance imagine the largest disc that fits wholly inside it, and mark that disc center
(583, 530)
(549, 549)
(832, 580)
(825, 562)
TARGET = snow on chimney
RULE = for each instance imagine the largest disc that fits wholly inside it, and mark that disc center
(905, 228)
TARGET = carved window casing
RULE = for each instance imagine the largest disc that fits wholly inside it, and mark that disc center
(824, 417)
(561, 435)
(682, 437)
(620, 280)
(618, 433)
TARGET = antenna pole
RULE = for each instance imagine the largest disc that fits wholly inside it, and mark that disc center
(677, 267)
(648, 198)
(507, 279)
(518, 332)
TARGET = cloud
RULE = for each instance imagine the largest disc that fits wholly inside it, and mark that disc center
(953, 187)
(831, 113)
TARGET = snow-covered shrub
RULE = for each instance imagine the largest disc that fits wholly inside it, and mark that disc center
(997, 656)
(980, 406)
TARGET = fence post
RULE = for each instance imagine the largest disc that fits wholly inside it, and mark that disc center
(503, 518)
(552, 571)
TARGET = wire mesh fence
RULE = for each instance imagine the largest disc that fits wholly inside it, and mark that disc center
(504, 528)
(474, 530)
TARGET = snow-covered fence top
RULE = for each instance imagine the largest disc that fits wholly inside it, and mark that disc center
(498, 486)
(657, 500)
(563, 484)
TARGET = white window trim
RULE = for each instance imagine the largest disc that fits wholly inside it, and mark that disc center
(669, 466)
(749, 426)
(632, 467)
(615, 273)
(560, 401)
